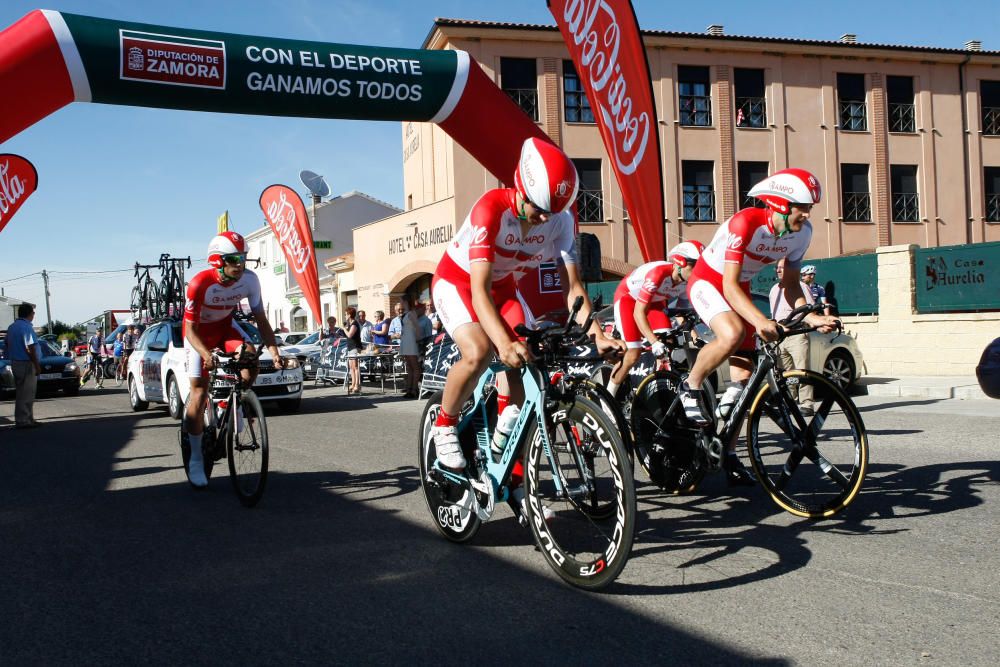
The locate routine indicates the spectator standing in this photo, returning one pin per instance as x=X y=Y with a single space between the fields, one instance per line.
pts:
x=282 y=328
x=380 y=330
x=426 y=333
x=23 y=354
x=366 y=330
x=817 y=291
x=408 y=347
x=794 y=349
x=353 y=336
x=396 y=325
x=434 y=317
x=332 y=330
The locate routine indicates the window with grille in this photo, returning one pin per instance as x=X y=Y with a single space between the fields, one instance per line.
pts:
x=751 y=109
x=698 y=194
x=905 y=203
x=576 y=106
x=590 y=200
x=990 y=101
x=851 y=96
x=902 y=116
x=694 y=89
x=519 y=79
x=992 y=187
x=856 y=199
x=749 y=174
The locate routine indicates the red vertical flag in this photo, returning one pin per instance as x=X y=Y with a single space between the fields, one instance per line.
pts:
x=604 y=41
x=18 y=179
x=287 y=217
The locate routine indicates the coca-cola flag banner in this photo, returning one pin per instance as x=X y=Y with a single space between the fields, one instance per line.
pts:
x=18 y=179
x=604 y=41
x=286 y=214
x=49 y=59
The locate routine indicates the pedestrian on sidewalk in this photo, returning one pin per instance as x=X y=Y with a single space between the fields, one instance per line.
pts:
x=23 y=354
x=794 y=349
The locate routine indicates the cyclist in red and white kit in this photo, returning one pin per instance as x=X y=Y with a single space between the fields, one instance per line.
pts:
x=639 y=302
x=474 y=287
x=719 y=288
x=212 y=296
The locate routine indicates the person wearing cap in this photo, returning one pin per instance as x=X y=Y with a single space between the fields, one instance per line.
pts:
x=719 y=290
x=95 y=350
x=817 y=291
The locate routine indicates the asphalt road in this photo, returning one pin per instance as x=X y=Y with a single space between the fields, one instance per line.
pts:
x=108 y=556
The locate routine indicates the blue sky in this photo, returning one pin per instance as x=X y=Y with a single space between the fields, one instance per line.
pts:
x=120 y=184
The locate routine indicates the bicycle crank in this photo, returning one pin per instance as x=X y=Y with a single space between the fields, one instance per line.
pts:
x=712 y=450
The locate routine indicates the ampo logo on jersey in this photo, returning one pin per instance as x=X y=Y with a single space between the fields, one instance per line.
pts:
x=172 y=60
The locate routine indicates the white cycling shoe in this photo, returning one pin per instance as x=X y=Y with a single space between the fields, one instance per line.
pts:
x=518 y=496
x=449 y=451
x=196 y=473
x=728 y=400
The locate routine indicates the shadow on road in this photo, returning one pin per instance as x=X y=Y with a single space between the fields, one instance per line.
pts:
x=107 y=563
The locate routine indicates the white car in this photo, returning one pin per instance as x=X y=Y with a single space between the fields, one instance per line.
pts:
x=307 y=351
x=157 y=374
x=289 y=338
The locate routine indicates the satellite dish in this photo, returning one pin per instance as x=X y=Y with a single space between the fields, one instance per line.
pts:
x=316 y=184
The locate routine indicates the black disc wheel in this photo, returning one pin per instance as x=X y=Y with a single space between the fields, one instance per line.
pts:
x=247 y=450
x=583 y=467
x=447 y=501
x=665 y=442
x=810 y=454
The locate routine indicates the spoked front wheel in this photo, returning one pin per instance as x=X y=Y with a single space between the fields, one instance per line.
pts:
x=812 y=465
x=246 y=448
x=585 y=467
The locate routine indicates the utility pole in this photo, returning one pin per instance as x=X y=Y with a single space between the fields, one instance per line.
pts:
x=48 y=311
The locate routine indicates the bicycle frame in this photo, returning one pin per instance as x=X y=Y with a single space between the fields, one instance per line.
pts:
x=535 y=383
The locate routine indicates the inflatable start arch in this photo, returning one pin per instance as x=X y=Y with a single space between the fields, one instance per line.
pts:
x=49 y=59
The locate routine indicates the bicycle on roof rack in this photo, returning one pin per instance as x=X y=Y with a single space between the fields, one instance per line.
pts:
x=145 y=296
x=172 y=285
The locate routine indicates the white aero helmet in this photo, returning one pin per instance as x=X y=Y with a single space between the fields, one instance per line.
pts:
x=686 y=253
x=785 y=187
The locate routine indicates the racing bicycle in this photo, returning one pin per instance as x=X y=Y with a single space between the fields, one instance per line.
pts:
x=145 y=295
x=172 y=285
x=812 y=466
x=576 y=470
x=235 y=428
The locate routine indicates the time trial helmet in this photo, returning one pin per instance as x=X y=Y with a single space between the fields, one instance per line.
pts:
x=786 y=187
x=546 y=177
x=226 y=243
x=686 y=253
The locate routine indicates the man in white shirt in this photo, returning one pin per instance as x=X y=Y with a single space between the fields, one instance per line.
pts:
x=794 y=349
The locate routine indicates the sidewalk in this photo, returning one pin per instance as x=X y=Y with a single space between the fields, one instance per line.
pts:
x=960 y=387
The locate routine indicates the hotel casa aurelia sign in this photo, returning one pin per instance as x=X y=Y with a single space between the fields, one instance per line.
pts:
x=420 y=238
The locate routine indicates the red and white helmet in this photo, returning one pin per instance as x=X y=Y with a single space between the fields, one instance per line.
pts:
x=686 y=253
x=226 y=243
x=788 y=186
x=546 y=177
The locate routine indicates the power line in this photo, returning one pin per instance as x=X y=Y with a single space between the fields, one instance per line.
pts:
x=27 y=275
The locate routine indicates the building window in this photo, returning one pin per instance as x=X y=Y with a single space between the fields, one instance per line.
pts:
x=851 y=93
x=750 y=174
x=857 y=199
x=992 y=175
x=590 y=201
x=698 y=179
x=751 y=110
x=409 y=202
x=695 y=95
x=519 y=79
x=575 y=103
x=990 y=101
x=905 y=203
x=901 y=107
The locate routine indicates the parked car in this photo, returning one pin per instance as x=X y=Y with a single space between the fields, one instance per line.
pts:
x=157 y=372
x=7 y=384
x=80 y=349
x=307 y=351
x=289 y=338
x=58 y=371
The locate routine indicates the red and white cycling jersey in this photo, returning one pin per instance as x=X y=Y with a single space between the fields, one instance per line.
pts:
x=492 y=233
x=651 y=283
x=210 y=303
x=744 y=238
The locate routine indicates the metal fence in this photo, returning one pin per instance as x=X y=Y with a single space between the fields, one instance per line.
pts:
x=526 y=98
x=696 y=110
x=751 y=112
x=590 y=206
x=957 y=278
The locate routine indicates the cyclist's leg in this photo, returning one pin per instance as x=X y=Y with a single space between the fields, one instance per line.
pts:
x=625 y=323
x=194 y=419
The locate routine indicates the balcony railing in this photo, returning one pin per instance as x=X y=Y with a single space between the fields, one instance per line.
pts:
x=699 y=205
x=857 y=207
x=526 y=98
x=993 y=207
x=696 y=110
x=590 y=206
x=991 y=120
x=905 y=207
x=902 y=118
x=853 y=116
x=751 y=112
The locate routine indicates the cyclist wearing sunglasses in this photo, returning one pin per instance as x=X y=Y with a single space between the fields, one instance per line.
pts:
x=212 y=296
x=474 y=288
